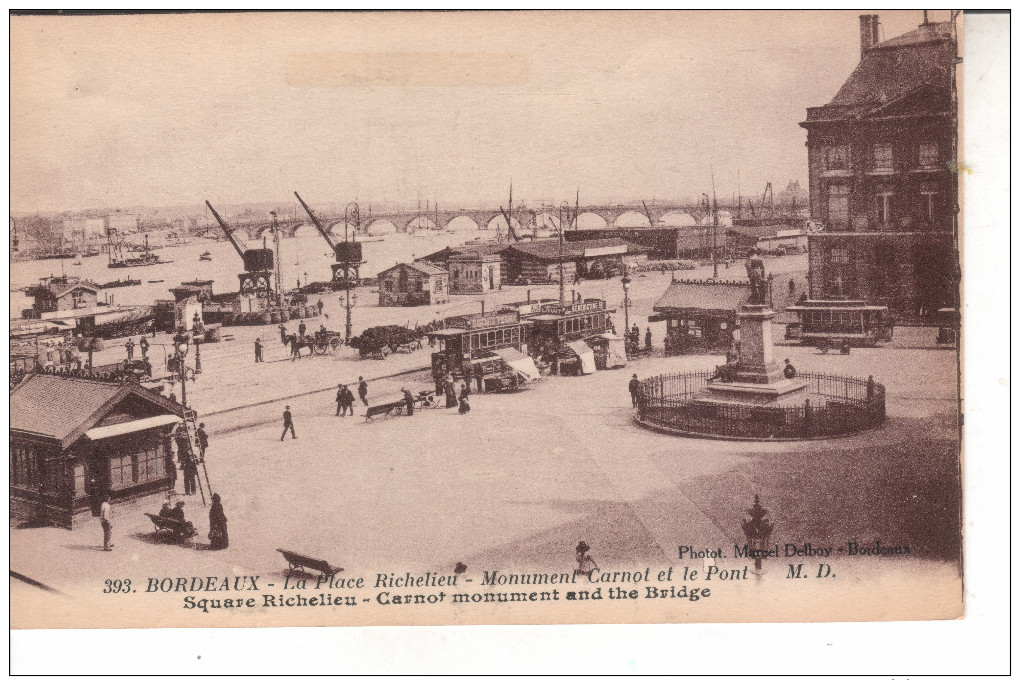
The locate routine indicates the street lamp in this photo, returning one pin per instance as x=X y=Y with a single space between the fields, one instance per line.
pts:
x=626 y=304
x=757 y=530
x=564 y=220
x=352 y=216
x=179 y=369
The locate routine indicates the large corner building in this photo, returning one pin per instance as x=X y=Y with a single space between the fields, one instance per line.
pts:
x=882 y=179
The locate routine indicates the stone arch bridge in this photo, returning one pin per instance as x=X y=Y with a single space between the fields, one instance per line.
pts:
x=405 y=220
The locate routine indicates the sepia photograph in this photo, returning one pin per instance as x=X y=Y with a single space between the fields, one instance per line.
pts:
x=454 y=318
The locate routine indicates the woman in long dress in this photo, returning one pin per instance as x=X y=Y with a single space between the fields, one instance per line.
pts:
x=217 y=525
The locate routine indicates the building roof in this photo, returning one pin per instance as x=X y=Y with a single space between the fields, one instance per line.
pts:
x=423 y=267
x=704 y=294
x=549 y=249
x=477 y=249
x=62 y=408
x=913 y=68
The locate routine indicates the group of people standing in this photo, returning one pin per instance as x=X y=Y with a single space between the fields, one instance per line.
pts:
x=345 y=398
x=446 y=386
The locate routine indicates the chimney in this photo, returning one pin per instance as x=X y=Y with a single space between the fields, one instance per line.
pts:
x=869 y=32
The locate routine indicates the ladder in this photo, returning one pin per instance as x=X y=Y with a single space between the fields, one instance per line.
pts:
x=191 y=428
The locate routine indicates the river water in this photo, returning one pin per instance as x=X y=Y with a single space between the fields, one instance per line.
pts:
x=305 y=257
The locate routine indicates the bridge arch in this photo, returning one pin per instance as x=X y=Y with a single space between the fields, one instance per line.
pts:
x=461 y=223
x=305 y=230
x=417 y=223
x=380 y=227
x=546 y=221
x=631 y=218
x=590 y=220
x=498 y=222
x=677 y=218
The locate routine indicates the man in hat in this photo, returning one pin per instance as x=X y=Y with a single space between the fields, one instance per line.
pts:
x=634 y=386
x=340 y=400
x=130 y=347
x=203 y=441
x=363 y=390
x=258 y=350
x=165 y=511
x=143 y=345
x=288 y=424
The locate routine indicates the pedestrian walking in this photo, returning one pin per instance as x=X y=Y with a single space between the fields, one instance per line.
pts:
x=363 y=390
x=301 y=329
x=789 y=372
x=465 y=407
x=634 y=387
x=648 y=338
x=288 y=424
x=349 y=399
x=465 y=390
x=203 y=441
x=339 y=399
x=143 y=345
x=319 y=305
x=258 y=350
x=106 y=520
x=479 y=373
x=218 y=539
x=130 y=347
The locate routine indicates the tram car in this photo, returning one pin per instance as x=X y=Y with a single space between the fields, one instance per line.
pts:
x=836 y=323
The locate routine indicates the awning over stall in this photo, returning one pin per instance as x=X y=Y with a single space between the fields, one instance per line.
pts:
x=520 y=362
x=131 y=426
x=585 y=353
x=616 y=346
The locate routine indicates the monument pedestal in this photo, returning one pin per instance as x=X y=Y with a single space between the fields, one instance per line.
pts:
x=758 y=379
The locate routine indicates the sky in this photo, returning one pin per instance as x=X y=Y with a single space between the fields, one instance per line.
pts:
x=173 y=110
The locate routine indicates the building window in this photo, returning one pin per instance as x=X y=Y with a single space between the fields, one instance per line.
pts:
x=122 y=471
x=929 y=200
x=24 y=467
x=835 y=157
x=419 y=286
x=402 y=281
x=882 y=157
x=928 y=155
x=838 y=255
x=389 y=286
x=439 y=285
x=884 y=206
x=838 y=201
x=150 y=464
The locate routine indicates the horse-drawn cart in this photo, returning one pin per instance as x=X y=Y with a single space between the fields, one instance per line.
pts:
x=379 y=342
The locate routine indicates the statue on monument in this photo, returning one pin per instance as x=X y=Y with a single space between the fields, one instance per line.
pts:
x=756 y=276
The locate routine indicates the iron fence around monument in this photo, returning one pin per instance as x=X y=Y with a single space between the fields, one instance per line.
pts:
x=833 y=406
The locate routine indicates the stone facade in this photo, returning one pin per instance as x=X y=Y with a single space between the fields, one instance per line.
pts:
x=880 y=159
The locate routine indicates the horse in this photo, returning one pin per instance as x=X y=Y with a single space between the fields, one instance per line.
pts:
x=296 y=344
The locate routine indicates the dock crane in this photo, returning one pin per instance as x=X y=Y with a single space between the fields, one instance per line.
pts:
x=347 y=252
x=257 y=278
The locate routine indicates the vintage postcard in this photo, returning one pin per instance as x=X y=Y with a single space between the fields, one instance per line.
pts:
x=351 y=319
